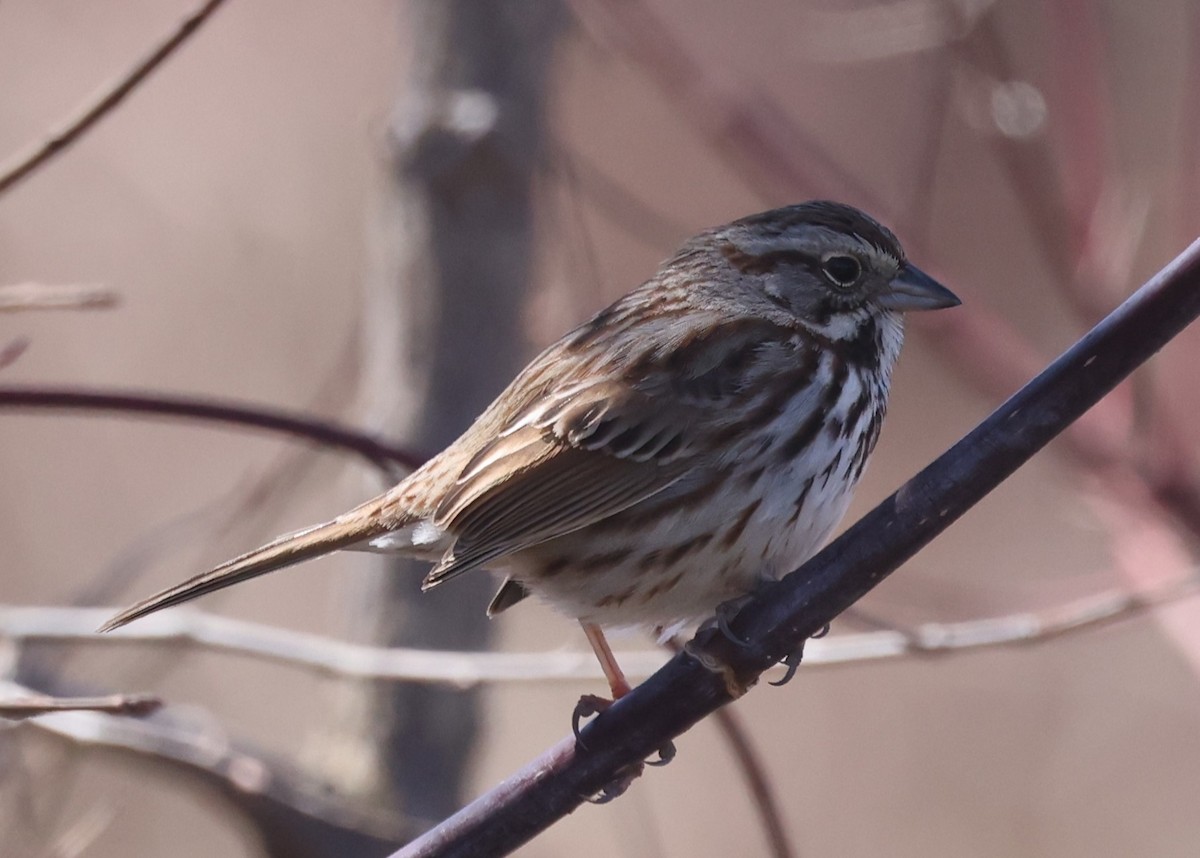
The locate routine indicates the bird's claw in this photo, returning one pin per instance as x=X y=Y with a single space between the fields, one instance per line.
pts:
x=592 y=704
x=618 y=785
x=726 y=611
x=665 y=754
x=792 y=660
x=588 y=705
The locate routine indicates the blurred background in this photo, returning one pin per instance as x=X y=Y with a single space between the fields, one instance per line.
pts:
x=376 y=212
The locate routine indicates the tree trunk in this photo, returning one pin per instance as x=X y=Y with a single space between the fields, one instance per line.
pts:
x=442 y=333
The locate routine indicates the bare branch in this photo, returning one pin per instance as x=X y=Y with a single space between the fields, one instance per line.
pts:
x=761 y=791
x=31 y=705
x=379 y=453
x=21 y=165
x=12 y=350
x=42 y=296
x=332 y=657
x=767 y=149
x=715 y=668
x=293 y=814
x=322 y=655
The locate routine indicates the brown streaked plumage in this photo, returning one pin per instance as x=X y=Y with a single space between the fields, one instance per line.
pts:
x=700 y=435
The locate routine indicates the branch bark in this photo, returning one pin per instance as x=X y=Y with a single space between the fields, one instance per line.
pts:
x=714 y=669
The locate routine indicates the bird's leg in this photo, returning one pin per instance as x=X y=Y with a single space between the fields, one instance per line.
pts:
x=608 y=662
x=592 y=704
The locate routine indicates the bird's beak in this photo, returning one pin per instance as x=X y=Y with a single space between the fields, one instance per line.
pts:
x=913 y=289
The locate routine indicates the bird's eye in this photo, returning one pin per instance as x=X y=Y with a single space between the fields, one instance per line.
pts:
x=842 y=271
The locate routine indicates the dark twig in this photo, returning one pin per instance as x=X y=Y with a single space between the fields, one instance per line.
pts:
x=379 y=453
x=762 y=794
x=769 y=151
x=714 y=670
x=23 y=164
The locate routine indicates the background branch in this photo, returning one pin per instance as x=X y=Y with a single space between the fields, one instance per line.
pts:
x=27 y=705
x=379 y=453
x=291 y=813
x=23 y=164
x=327 y=656
x=66 y=296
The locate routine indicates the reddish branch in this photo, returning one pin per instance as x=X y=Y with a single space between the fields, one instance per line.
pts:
x=379 y=453
x=714 y=669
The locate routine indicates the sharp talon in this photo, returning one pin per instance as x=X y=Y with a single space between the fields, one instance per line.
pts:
x=588 y=705
x=665 y=754
x=618 y=786
x=824 y=630
x=793 y=664
x=726 y=611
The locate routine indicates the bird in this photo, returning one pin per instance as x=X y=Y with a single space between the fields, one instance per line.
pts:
x=700 y=436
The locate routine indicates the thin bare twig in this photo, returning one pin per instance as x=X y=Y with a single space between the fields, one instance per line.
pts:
x=337 y=658
x=770 y=152
x=31 y=705
x=379 y=453
x=322 y=655
x=762 y=794
x=44 y=296
x=21 y=165
x=293 y=814
x=718 y=667
x=12 y=350
x=779 y=844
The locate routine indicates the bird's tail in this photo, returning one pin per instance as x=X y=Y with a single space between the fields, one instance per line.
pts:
x=353 y=528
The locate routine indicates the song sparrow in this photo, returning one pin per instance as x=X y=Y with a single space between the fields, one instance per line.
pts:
x=699 y=436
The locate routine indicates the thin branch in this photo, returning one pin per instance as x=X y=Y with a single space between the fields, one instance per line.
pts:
x=762 y=794
x=12 y=350
x=43 y=296
x=293 y=814
x=716 y=669
x=379 y=453
x=619 y=205
x=770 y=152
x=31 y=705
x=755 y=774
x=332 y=657
x=321 y=655
x=21 y=165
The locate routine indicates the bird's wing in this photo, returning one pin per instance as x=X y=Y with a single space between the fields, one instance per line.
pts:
x=576 y=459
x=362 y=523
x=588 y=449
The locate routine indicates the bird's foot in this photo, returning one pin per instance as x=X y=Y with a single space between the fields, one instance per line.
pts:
x=592 y=705
x=792 y=660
